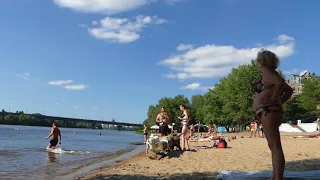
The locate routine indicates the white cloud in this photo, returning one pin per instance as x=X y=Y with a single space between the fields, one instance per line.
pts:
x=102 y=6
x=192 y=86
x=284 y=38
x=212 y=60
x=76 y=107
x=76 y=87
x=183 y=47
x=196 y=86
x=25 y=76
x=60 y=82
x=122 y=30
x=95 y=107
x=14 y=101
x=106 y=6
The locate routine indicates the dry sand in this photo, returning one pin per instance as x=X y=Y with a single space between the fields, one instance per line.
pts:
x=245 y=154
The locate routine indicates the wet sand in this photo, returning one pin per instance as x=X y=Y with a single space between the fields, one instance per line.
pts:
x=244 y=154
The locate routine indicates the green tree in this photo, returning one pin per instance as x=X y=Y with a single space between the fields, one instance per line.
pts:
x=231 y=100
x=293 y=110
x=172 y=107
x=198 y=109
x=309 y=99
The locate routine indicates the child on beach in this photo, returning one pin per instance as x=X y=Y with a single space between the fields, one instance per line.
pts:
x=272 y=93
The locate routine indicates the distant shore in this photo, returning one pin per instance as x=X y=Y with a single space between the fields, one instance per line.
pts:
x=245 y=154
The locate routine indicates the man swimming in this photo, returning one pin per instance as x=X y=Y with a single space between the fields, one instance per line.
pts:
x=55 y=133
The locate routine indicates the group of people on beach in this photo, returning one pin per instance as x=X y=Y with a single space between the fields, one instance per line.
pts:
x=255 y=128
x=271 y=93
x=163 y=119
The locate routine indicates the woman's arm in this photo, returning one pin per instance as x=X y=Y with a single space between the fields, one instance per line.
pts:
x=288 y=91
x=51 y=133
x=185 y=117
x=158 y=118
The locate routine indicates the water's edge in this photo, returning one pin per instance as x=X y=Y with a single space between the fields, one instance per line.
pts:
x=85 y=170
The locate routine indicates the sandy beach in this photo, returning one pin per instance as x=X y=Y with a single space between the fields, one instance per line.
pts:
x=244 y=154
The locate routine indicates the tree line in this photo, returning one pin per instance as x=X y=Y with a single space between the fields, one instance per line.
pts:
x=20 y=118
x=230 y=102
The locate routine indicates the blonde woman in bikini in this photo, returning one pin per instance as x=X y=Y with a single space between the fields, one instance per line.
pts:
x=272 y=93
x=184 y=118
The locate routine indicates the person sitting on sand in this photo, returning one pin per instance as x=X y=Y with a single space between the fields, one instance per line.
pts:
x=214 y=130
x=272 y=93
x=55 y=133
x=191 y=130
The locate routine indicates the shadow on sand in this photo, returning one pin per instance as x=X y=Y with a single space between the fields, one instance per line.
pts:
x=189 y=176
x=301 y=165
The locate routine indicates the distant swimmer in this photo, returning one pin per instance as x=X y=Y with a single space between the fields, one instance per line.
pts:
x=55 y=133
x=75 y=133
x=100 y=134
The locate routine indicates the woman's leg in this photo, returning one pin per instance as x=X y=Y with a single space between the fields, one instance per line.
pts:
x=188 y=138
x=183 y=137
x=271 y=122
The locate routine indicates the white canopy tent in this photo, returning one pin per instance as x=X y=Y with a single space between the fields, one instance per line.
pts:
x=157 y=127
x=154 y=127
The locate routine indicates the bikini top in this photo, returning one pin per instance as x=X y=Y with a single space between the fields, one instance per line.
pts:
x=259 y=86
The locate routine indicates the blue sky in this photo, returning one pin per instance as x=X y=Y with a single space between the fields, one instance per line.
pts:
x=113 y=58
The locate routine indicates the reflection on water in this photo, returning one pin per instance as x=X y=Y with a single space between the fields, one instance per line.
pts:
x=52 y=157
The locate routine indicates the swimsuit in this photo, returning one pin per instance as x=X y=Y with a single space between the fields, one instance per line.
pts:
x=54 y=141
x=259 y=87
x=184 y=122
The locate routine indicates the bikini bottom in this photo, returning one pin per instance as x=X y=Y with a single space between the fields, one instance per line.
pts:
x=268 y=109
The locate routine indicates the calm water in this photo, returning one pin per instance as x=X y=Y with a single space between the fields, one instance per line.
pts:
x=23 y=153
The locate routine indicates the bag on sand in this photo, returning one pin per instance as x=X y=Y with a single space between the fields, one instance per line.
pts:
x=222 y=144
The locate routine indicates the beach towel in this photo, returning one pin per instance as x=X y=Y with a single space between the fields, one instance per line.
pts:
x=288 y=175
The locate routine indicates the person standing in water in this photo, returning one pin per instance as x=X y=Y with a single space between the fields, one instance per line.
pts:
x=272 y=93
x=145 y=133
x=163 y=121
x=184 y=118
x=56 y=136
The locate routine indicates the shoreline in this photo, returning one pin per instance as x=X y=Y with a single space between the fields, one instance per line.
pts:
x=68 y=128
x=245 y=154
x=85 y=170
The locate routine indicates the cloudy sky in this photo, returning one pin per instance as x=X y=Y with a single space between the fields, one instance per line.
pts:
x=104 y=59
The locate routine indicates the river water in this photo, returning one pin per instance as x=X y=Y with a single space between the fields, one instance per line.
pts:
x=23 y=153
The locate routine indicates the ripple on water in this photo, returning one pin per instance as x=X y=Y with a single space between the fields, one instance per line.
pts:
x=9 y=153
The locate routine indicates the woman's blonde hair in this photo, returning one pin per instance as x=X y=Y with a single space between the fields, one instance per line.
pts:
x=268 y=59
